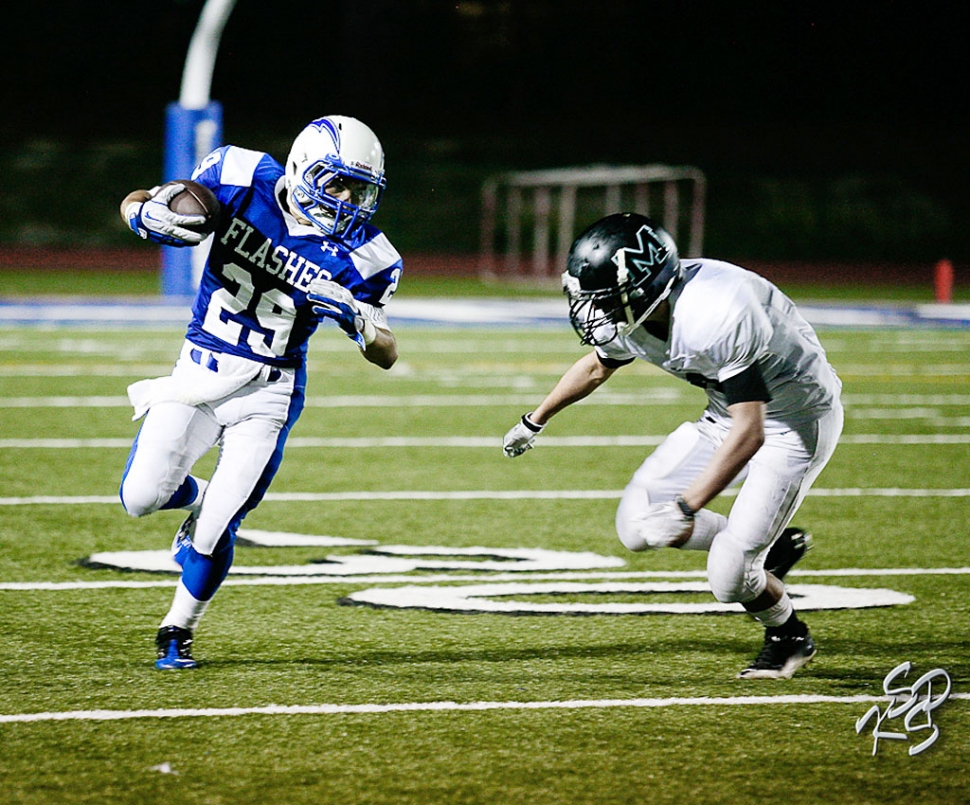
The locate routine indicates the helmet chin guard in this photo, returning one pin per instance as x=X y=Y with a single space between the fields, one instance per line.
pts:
x=335 y=174
x=617 y=273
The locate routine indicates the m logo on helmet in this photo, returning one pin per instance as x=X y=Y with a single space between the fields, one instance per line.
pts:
x=649 y=252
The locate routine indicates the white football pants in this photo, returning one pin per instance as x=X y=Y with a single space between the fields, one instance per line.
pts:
x=174 y=436
x=775 y=482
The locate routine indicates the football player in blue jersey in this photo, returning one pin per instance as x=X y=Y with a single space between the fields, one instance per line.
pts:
x=293 y=247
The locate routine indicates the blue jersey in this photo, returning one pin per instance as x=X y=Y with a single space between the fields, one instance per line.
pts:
x=252 y=297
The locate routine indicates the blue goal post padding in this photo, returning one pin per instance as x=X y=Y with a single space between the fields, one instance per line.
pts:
x=190 y=134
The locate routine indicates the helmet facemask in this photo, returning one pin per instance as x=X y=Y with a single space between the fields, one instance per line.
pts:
x=596 y=316
x=600 y=316
x=327 y=211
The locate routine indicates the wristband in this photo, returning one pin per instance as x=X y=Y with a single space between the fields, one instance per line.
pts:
x=686 y=510
x=132 y=212
x=368 y=332
x=535 y=427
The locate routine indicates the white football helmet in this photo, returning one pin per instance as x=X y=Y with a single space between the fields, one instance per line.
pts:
x=331 y=157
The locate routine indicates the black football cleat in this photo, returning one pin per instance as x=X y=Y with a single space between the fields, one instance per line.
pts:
x=780 y=656
x=174 y=649
x=787 y=550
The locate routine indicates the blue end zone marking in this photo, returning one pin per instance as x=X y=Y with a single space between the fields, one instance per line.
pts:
x=454 y=313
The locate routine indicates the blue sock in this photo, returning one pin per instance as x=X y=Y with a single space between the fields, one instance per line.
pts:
x=184 y=495
x=202 y=575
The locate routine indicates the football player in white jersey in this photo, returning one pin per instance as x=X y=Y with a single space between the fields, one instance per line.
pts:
x=772 y=421
x=293 y=247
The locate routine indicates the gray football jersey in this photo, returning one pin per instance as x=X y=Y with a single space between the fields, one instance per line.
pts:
x=724 y=319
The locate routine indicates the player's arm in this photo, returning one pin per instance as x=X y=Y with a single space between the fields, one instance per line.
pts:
x=747 y=395
x=671 y=523
x=382 y=351
x=579 y=381
x=744 y=439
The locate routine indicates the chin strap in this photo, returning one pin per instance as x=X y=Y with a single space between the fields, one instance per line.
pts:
x=622 y=283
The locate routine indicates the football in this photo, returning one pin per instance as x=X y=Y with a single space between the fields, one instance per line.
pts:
x=196 y=199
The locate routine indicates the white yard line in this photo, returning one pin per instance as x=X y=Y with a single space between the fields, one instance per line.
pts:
x=647 y=397
x=513 y=494
x=83 y=370
x=490 y=442
x=439 y=707
x=902 y=369
x=661 y=395
x=292 y=581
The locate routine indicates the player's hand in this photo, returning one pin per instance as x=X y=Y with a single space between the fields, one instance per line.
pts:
x=331 y=300
x=521 y=437
x=153 y=220
x=665 y=525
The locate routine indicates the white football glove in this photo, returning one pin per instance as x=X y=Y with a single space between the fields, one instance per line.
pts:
x=521 y=437
x=664 y=525
x=331 y=300
x=153 y=220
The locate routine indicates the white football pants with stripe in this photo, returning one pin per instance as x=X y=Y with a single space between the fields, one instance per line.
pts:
x=250 y=427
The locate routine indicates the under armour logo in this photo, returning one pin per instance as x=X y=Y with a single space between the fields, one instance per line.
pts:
x=330 y=248
x=649 y=252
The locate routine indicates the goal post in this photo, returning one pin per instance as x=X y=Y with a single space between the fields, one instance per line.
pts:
x=530 y=218
x=193 y=128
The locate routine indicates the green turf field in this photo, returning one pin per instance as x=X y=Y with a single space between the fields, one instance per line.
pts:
x=306 y=696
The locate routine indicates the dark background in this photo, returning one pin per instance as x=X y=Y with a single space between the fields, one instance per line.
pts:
x=827 y=130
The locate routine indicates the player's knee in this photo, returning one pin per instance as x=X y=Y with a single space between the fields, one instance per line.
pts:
x=637 y=523
x=137 y=499
x=625 y=529
x=135 y=507
x=631 y=538
x=727 y=590
x=630 y=528
x=639 y=536
x=731 y=571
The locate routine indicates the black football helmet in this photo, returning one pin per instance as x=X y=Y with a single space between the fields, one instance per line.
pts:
x=617 y=272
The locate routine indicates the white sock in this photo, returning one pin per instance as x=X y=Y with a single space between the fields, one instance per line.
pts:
x=186 y=611
x=707 y=525
x=776 y=614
